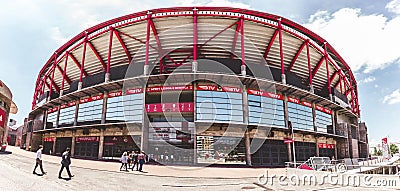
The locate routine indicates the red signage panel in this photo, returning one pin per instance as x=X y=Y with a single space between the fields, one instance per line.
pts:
x=232 y=89
x=87 y=139
x=169 y=107
x=326 y=146
x=114 y=94
x=320 y=108
x=265 y=94
x=207 y=87
x=294 y=100
x=288 y=140
x=3 y=119
x=134 y=91
x=308 y=104
x=50 y=139
x=169 y=88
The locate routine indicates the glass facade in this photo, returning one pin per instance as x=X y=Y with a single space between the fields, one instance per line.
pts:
x=115 y=109
x=219 y=106
x=90 y=111
x=301 y=116
x=51 y=120
x=133 y=108
x=266 y=111
x=322 y=121
x=67 y=116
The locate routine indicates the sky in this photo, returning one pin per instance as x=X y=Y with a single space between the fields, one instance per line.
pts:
x=366 y=33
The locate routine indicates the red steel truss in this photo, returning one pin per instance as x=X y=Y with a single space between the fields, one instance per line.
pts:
x=341 y=76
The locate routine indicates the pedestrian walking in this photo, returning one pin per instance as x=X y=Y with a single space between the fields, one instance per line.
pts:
x=129 y=160
x=142 y=160
x=135 y=161
x=124 y=161
x=65 y=162
x=39 y=160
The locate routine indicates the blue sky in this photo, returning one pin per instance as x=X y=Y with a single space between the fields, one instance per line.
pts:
x=365 y=33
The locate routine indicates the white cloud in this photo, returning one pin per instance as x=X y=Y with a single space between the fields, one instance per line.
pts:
x=393 y=98
x=366 y=42
x=394 y=6
x=57 y=36
x=368 y=79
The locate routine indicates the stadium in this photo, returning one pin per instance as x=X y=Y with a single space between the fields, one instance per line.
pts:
x=198 y=85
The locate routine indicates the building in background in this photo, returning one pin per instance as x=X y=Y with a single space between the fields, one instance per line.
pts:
x=198 y=85
x=7 y=106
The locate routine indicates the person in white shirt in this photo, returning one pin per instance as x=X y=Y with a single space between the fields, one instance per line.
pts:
x=124 y=161
x=39 y=160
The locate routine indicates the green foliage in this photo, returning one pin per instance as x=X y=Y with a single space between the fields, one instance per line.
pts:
x=393 y=149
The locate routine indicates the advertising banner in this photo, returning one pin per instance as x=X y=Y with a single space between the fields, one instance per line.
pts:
x=2 y=118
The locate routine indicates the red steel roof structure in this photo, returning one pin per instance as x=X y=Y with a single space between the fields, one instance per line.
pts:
x=284 y=44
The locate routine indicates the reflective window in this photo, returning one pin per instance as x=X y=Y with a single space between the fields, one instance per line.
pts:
x=115 y=109
x=219 y=106
x=133 y=107
x=322 y=121
x=90 y=111
x=301 y=116
x=266 y=111
x=67 y=116
x=51 y=120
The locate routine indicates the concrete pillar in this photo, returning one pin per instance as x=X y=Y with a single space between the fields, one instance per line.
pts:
x=194 y=66
x=316 y=147
x=107 y=77
x=247 y=145
x=104 y=109
x=286 y=110
x=314 y=116
x=61 y=93
x=76 y=112
x=146 y=70
x=58 y=116
x=54 y=146
x=336 y=151
x=245 y=104
x=79 y=86
x=73 y=143
x=101 y=144
x=289 y=149
x=195 y=126
x=283 y=79
x=311 y=88
x=144 y=142
x=243 y=70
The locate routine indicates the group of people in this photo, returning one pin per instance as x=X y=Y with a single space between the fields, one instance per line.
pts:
x=65 y=162
x=133 y=159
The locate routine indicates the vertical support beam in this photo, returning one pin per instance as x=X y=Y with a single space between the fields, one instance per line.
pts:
x=194 y=63
x=101 y=144
x=314 y=113
x=309 y=67
x=58 y=116
x=52 y=76
x=247 y=145
x=83 y=62
x=243 y=67
x=146 y=63
x=73 y=143
x=316 y=148
x=54 y=146
x=107 y=76
x=104 y=109
x=195 y=126
x=327 y=72
x=144 y=142
x=76 y=112
x=64 y=74
x=281 y=51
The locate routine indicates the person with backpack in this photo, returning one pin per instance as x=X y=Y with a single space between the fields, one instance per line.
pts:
x=65 y=162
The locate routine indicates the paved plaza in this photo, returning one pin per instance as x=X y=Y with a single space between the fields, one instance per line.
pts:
x=96 y=175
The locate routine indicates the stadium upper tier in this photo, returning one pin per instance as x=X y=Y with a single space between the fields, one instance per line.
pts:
x=168 y=38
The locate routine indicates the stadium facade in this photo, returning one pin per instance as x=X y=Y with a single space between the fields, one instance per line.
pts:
x=7 y=106
x=198 y=85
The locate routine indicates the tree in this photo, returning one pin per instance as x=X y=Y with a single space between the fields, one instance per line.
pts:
x=393 y=148
x=377 y=152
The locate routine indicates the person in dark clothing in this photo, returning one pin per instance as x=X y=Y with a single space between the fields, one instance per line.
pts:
x=39 y=160
x=65 y=162
x=135 y=161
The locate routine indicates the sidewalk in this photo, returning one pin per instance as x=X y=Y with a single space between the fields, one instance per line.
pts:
x=156 y=170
